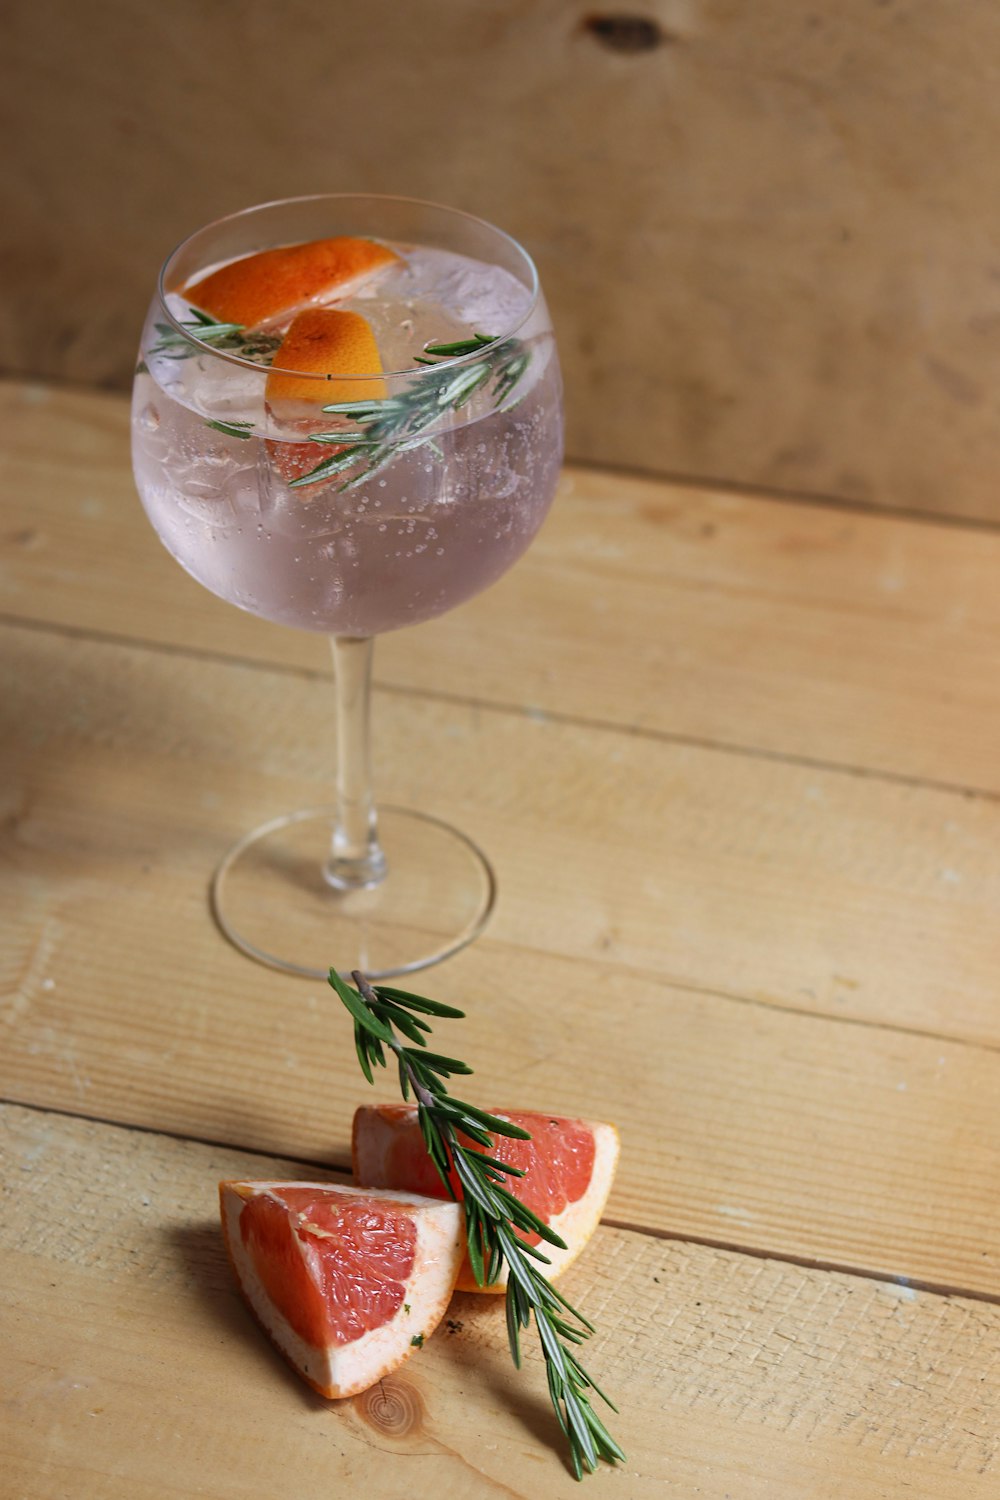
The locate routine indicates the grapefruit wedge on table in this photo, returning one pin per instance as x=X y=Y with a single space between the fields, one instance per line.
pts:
x=259 y=288
x=568 y=1168
x=345 y=1281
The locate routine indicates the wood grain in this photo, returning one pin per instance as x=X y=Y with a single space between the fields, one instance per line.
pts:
x=776 y=976
x=776 y=266
x=836 y=1138
x=734 y=1376
x=796 y=631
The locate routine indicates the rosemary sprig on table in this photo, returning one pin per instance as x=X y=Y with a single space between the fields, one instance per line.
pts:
x=383 y=428
x=495 y=1218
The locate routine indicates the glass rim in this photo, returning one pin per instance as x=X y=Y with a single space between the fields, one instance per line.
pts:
x=412 y=372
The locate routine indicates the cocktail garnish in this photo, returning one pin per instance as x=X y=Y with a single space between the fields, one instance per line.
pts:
x=386 y=427
x=383 y=426
x=272 y=284
x=495 y=1219
x=322 y=339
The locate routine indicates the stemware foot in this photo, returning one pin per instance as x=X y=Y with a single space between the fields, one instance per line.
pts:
x=436 y=896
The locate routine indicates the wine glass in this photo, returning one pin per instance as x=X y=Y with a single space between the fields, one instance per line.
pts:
x=409 y=492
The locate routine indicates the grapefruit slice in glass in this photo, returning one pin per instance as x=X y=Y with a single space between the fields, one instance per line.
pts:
x=346 y=1282
x=320 y=340
x=568 y=1168
x=326 y=341
x=259 y=288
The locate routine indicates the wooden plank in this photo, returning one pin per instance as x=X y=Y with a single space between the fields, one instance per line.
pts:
x=743 y=1121
x=131 y=1368
x=777 y=267
x=810 y=889
x=792 y=630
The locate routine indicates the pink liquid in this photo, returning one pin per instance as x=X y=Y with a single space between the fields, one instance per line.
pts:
x=425 y=533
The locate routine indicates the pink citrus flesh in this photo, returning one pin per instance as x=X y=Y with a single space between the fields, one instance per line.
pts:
x=346 y=1283
x=568 y=1167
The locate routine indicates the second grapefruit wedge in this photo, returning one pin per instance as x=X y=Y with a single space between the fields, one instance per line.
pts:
x=568 y=1167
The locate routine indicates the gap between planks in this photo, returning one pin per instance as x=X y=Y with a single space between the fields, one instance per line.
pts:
x=501 y=707
x=735 y=1247
x=733 y=997
x=815 y=499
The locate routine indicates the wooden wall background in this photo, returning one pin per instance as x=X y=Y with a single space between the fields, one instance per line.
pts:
x=770 y=232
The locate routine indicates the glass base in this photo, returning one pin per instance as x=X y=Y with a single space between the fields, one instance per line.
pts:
x=273 y=901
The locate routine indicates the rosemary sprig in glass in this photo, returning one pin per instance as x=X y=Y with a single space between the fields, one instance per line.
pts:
x=232 y=338
x=383 y=428
x=495 y=1218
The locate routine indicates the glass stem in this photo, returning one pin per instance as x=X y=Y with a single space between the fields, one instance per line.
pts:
x=356 y=858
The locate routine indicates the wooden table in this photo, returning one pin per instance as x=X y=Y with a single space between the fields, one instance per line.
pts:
x=737 y=761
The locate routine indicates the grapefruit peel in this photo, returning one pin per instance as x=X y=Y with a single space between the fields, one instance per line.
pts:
x=331 y=342
x=258 y=289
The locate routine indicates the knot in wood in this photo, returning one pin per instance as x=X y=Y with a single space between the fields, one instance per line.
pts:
x=393 y=1407
x=625 y=33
